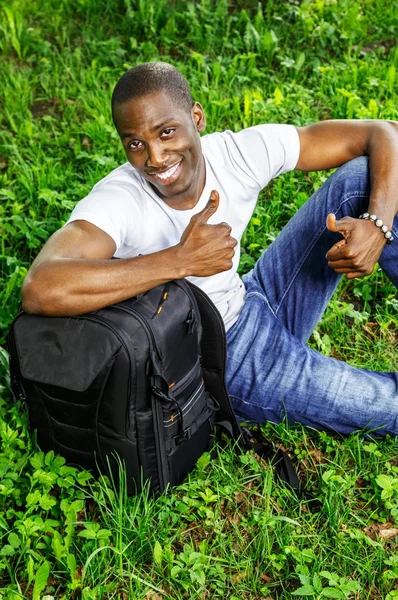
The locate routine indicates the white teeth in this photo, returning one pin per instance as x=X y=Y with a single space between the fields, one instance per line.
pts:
x=167 y=173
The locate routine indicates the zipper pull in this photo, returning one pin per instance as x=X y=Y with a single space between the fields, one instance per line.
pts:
x=162 y=300
x=190 y=321
x=18 y=393
x=159 y=394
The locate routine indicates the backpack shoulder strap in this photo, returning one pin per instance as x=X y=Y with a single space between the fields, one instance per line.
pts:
x=213 y=350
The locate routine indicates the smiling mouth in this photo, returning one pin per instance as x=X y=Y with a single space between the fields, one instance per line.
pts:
x=169 y=176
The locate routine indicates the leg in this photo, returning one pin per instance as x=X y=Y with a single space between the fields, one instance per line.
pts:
x=293 y=273
x=270 y=369
x=270 y=373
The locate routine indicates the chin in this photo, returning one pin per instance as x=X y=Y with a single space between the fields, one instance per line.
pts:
x=174 y=189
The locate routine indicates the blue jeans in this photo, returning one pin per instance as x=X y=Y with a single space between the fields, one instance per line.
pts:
x=271 y=372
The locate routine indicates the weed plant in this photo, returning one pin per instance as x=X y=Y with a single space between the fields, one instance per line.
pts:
x=231 y=530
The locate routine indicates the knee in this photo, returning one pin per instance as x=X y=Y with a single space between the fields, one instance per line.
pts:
x=349 y=188
x=356 y=170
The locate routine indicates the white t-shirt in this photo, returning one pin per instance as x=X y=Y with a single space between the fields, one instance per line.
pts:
x=238 y=166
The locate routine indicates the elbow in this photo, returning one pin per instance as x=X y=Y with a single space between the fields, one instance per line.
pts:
x=393 y=127
x=380 y=133
x=31 y=297
x=36 y=298
x=389 y=128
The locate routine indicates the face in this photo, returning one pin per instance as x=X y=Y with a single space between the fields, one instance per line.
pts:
x=162 y=142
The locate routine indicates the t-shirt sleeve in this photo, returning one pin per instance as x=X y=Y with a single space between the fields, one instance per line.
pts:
x=266 y=151
x=112 y=209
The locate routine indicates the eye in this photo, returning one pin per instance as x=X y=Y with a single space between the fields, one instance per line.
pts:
x=168 y=131
x=135 y=145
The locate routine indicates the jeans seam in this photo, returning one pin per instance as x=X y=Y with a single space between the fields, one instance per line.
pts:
x=345 y=199
x=256 y=404
x=249 y=402
x=263 y=296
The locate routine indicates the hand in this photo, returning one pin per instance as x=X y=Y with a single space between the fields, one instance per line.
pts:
x=359 y=251
x=207 y=249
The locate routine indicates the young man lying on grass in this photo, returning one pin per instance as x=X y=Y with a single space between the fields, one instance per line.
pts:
x=178 y=209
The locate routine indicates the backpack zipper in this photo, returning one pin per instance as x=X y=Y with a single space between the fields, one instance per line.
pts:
x=145 y=326
x=223 y=347
x=165 y=295
x=192 y=317
x=15 y=365
x=163 y=469
x=184 y=410
x=102 y=321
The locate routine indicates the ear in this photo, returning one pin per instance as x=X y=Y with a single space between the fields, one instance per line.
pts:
x=198 y=117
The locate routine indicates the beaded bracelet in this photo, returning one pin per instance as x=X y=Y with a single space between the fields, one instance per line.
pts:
x=379 y=223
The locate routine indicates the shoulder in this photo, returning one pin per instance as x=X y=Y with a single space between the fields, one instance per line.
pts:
x=115 y=204
x=120 y=191
x=125 y=179
x=268 y=137
x=261 y=152
x=264 y=134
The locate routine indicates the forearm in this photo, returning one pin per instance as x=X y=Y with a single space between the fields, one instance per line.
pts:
x=329 y=144
x=72 y=286
x=383 y=161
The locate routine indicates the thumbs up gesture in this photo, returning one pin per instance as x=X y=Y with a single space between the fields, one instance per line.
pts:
x=359 y=250
x=207 y=249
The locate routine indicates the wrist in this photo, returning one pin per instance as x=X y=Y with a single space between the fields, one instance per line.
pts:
x=179 y=262
x=384 y=210
x=377 y=222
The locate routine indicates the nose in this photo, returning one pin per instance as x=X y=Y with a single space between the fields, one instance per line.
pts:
x=155 y=156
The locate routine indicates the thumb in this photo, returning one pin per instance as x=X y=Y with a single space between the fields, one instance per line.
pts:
x=210 y=207
x=331 y=222
x=343 y=226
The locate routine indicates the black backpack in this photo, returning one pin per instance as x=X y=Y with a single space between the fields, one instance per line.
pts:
x=142 y=380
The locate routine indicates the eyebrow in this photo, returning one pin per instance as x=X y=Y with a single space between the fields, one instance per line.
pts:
x=154 y=128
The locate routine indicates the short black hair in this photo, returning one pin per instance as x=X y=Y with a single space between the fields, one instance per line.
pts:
x=151 y=77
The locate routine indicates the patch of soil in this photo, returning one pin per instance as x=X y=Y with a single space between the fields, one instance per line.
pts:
x=45 y=107
x=383 y=531
x=387 y=45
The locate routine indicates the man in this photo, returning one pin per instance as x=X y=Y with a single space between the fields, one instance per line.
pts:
x=178 y=209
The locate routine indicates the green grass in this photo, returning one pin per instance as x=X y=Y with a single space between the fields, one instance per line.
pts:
x=231 y=530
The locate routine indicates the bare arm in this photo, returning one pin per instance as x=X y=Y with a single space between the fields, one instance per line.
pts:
x=73 y=273
x=330 y=144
